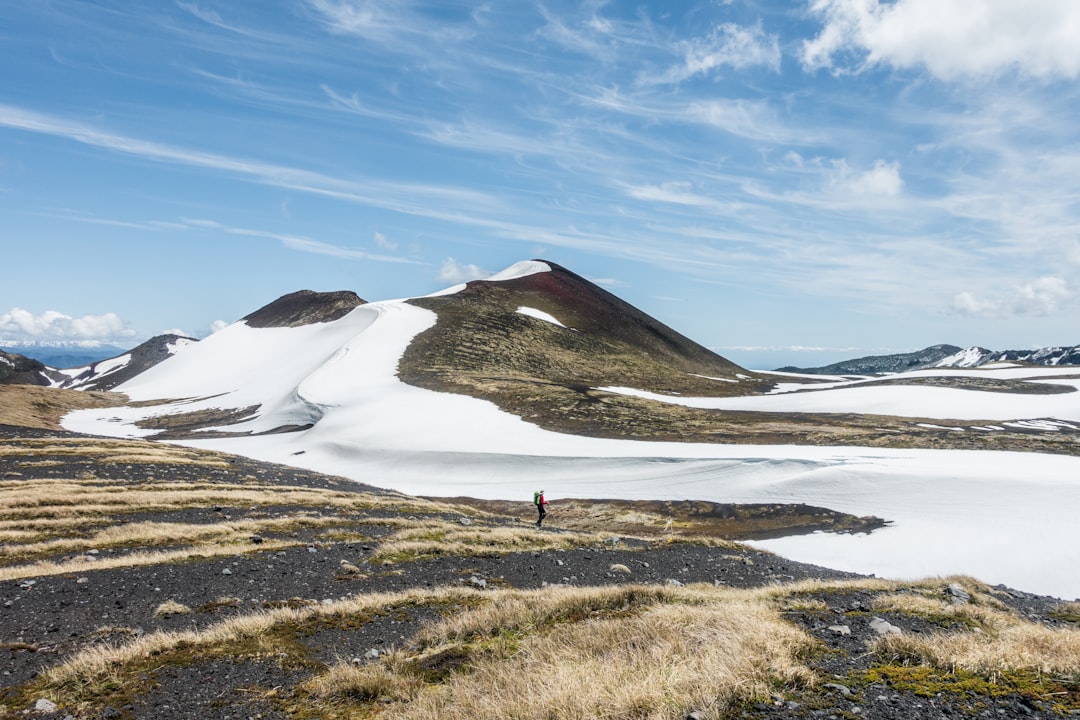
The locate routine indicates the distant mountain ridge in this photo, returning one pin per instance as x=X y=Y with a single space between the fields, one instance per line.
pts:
x=944 y=356
x=62 y=353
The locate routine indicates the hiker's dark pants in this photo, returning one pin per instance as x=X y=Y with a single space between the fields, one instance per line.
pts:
x=543 y=514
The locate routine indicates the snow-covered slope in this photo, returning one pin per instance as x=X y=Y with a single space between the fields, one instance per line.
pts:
x=1003 y=516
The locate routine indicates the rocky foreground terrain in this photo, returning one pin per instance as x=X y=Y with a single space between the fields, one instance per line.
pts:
x=140 y=580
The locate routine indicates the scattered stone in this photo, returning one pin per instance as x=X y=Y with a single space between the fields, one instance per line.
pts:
x=257 y=539
x=695 y=716
x=842 y=689
x=312 y=549
x=620 y=568
x=226 y=571
x=82 y=581
x=884 y=627
x=93 y=552
x=372 y=654
x=672 y=582
x=476 y=581
x=559 y=562
x=465 y=521
x=46 y=706
x=840 y=629
x=957 y=594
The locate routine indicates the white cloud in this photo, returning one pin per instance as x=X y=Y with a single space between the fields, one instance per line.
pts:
x=883 y=179
x=1042 y=296
x=454 y=272
x=218 y=325
x=21 y=324
x=384 y=242
x=952 y=39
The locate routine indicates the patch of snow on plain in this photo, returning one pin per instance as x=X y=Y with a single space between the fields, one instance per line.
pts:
x=897 y=400
x=710 y=377
x=539 y=315
x=1005 y=517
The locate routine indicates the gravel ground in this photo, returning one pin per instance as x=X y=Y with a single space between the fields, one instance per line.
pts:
x=44 y=620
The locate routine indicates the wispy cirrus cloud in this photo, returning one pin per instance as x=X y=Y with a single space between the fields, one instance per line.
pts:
x=294 y=242
x=400 y=197
x=727 y=45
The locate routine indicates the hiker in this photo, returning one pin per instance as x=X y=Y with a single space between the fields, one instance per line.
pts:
x=540 y=502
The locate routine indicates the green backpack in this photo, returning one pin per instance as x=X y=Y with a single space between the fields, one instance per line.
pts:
x=536 y=498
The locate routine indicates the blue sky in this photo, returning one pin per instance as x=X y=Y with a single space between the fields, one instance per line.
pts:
x=785 y=182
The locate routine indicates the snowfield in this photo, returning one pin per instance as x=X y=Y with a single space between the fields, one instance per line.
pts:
x=1000 y=516
x=897 y=400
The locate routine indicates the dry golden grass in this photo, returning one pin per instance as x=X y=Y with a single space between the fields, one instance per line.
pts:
x=171 y=607
x=164 y=533
x=102 y=450
x=71 y=498
x=1014 y=645
x=578 y=653
x=44 y=568
x=97 y=663
x=40 y=407
x=641 y=652
x=984 y=612
x=436 y=538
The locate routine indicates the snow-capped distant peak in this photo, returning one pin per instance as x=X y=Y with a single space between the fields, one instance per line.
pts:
x=519 y=270
x=968 y=357
x=540 y=315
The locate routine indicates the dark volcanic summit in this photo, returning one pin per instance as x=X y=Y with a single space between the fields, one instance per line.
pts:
x=18 y=369
x=304 y=307
x=102 y=376
x=586 y=307
x=606 y=341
